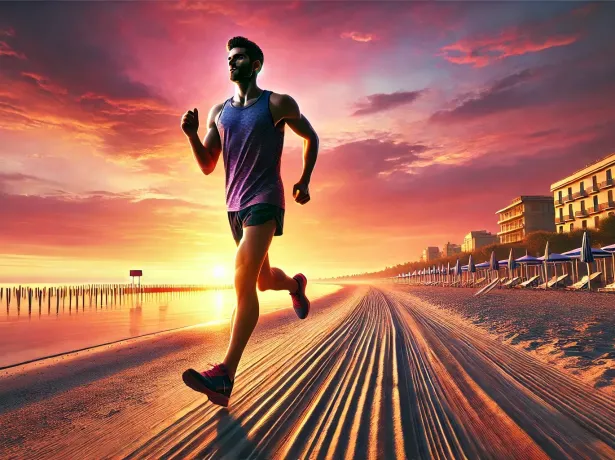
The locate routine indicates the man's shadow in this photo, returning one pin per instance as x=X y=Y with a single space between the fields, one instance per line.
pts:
x=232 y=439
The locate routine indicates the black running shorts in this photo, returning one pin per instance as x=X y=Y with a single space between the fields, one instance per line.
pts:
x=256 y=214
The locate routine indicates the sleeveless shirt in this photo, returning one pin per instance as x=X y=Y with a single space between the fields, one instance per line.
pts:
x=252 y=152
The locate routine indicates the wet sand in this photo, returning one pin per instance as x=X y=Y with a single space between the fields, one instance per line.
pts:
x=374 y=372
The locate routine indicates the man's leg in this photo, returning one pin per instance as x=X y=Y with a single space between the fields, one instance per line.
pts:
x=272 y=278
x=250 y=256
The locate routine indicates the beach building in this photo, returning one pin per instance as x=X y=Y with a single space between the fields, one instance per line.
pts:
x=477 y=239
x=450 y=249
x=585 y=197
x=430 y=253
x=525 y=214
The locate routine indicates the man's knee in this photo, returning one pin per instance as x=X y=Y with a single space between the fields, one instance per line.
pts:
x=264 y=281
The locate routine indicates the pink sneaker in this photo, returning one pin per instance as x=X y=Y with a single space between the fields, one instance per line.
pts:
x=301 y=304
x=215 y=383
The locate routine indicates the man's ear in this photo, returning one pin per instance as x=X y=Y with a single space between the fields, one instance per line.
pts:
x=258 y=66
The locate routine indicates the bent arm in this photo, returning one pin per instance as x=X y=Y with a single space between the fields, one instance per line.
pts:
x=207 y=152
x=302 y=127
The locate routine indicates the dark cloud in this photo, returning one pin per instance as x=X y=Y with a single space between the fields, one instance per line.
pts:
x=381 y=102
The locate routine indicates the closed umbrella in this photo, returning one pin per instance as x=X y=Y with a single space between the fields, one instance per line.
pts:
x=471 y=267
x=512 y=264
x=494 y=264
x=546 y=261
x=458 y=268
x=587 y=256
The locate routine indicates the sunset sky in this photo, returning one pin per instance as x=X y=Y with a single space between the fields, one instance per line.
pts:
x=431 y=117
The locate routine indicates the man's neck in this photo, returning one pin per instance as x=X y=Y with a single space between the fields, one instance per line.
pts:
x=245 y=91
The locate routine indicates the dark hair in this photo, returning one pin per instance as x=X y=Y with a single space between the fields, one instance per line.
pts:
x=252 y=49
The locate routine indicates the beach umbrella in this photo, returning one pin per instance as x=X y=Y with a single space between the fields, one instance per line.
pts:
x=587 y=256
x=448 y=272
x=471 y=267
x=458 y=268
x=546 y=260
x=512 y=264
x=611 y=248
x=494 y=264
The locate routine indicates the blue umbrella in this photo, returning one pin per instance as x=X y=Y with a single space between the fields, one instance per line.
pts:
x=458 y=268
x=471 y=267
x=611 y=248
x=587 y=256
x=529 y=260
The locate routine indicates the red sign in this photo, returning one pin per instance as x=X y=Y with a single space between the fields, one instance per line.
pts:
x=136 y=272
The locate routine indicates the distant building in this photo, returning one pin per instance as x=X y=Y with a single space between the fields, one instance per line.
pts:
x=430 y=253
x=525 y=214
x=585 y=197
x=477 y=239
x=450 y=249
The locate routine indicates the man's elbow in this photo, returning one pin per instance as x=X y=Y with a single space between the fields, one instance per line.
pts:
x=313 y=138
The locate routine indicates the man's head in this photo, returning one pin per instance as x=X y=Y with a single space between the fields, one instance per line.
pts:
x=245 y=57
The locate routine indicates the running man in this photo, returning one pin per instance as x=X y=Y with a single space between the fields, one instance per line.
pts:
x=248 y=129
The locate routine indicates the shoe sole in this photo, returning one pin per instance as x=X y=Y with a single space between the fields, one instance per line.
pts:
x=308 y=301
x=194 y=380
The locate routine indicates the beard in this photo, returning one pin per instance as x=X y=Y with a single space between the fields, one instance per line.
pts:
x=242 y=75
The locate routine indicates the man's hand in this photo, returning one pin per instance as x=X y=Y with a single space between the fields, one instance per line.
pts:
x=190 y=122
x=301 y=192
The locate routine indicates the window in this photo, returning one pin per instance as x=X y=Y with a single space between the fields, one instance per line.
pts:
x=561 y=229
x=571 y=227
x=610 y=195
x=559 y=195
x=561 y=214
x=570 y=211
x=597 y=221
x=609 y=176
x=595 y=182
x=570 y=193
x=595 y=203
x=582 y=206
x=582 y=187
x=584 y=224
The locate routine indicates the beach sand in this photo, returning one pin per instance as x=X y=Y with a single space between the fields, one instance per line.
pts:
x=374 y=372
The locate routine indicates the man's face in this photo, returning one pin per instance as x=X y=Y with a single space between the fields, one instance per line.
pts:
x=240 y=67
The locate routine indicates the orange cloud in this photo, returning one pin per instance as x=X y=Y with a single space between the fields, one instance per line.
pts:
x=358 y=37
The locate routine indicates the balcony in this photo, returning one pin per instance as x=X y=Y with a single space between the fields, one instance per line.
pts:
x=510 y=230
x=568 y=217
x=594 y=210
x=510 y=217
x=606 y=184
x=580 y=194
x=605 y=206
x=568 y=198
x=593 y=189
x=560 y=220
x=581 y=213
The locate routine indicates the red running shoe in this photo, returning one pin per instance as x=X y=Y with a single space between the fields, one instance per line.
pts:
x=301 y=304
x=215 y=383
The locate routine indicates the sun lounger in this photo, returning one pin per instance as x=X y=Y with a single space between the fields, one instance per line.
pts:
x=547 y=284
x=512 y=282
x=608 y=288
x=583 y=282
x=560 y=280
x=533 y=280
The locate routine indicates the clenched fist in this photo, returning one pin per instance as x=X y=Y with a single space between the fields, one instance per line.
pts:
x=190 y=122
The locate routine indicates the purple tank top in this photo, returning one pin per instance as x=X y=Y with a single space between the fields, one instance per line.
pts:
x=252 y=153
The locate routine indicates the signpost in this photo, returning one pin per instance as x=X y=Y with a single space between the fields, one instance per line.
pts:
x=138 y=274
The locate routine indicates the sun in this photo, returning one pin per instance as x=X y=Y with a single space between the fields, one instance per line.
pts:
x=219 y=272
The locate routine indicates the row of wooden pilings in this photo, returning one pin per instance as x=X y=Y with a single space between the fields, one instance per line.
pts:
x=97 y=294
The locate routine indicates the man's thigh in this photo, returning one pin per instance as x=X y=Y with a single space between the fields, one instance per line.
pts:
x=253 y=248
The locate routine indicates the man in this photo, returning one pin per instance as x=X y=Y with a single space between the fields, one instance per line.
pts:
x=248 y=129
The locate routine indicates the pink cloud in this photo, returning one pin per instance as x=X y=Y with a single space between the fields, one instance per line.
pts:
x=381 y=102
x=358 y=37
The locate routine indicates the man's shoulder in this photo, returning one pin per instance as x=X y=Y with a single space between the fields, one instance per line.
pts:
x=284 y=102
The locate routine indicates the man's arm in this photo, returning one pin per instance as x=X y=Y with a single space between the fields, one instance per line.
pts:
x=302 y=127
x=207 y=152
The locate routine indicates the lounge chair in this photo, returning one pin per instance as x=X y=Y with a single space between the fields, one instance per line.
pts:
x=533 y=280
x=512 y=282
x=583 y=282
x=559 y=281
x=547 y=284
x=479 y=281
x=608 y=288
